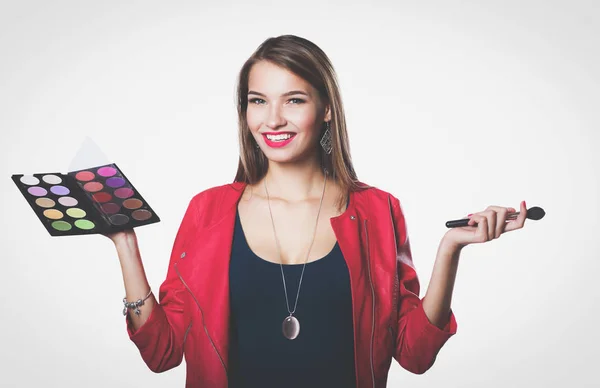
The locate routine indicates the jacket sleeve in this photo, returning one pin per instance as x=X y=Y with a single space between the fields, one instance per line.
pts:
x=418 y=341
x=160 y=338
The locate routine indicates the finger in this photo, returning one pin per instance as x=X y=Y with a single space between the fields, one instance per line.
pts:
x=501 y=214
x=485 y=228
x=481 y=234
x=491 y=222
x=520 y=220
x=471 y=218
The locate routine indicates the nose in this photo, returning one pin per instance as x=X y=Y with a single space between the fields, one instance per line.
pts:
x=274 y=117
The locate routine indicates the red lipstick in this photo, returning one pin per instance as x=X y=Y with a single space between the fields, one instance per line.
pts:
x=278 y=144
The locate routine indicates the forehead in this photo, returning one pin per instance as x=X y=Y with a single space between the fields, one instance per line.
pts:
x=270 y=79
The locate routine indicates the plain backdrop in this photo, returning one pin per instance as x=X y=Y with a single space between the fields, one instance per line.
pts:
x=451 y=105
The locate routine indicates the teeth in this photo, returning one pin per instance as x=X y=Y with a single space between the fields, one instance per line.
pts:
x=279 y=137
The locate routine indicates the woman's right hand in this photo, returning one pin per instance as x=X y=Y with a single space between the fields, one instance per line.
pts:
x=122 y=236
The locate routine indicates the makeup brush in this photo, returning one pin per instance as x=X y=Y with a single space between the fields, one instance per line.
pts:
x=535 y=213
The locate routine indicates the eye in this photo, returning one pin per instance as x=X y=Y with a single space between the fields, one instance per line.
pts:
x=255 y=100
x=300 y=101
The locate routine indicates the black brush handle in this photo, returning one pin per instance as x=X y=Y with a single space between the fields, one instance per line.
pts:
x=535 y=213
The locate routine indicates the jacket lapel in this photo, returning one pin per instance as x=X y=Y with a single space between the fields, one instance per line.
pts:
x=349 y=228
x=210 y=267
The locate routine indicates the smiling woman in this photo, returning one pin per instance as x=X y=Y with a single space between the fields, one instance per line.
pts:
x=288 y=102
x=307 y=281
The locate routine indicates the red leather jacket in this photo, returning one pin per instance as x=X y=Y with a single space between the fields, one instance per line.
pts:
x=192 y=318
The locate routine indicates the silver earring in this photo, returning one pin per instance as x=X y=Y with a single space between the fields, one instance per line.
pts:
x=256 y=145
x=326 y=139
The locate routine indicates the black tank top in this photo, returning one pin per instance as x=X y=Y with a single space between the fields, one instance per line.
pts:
x=260 y=356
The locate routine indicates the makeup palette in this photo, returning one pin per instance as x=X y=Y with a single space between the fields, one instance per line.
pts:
x=91 y=201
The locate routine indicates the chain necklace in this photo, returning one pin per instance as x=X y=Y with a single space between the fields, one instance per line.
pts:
x=291 y=325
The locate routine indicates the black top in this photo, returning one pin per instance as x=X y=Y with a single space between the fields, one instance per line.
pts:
x=322 y=355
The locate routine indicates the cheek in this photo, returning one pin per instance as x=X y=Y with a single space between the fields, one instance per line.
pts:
x=254 y=120
x=304 y=119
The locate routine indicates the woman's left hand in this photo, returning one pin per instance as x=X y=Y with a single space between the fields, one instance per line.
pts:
x=485 y=226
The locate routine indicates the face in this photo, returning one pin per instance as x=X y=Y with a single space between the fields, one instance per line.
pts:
x=285 y=114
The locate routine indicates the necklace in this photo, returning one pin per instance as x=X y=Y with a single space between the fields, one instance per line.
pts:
x=291 y=325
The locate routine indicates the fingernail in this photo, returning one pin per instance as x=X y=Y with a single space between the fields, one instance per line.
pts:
x=469 y=215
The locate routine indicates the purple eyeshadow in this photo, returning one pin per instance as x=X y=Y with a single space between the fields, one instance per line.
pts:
x=59 y=190
x=115 y=182
x=37 y=191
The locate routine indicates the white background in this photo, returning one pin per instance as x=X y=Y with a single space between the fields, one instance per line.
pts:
x=452 y=106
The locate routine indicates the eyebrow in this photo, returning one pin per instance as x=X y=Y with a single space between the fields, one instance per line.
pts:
x=285 y=94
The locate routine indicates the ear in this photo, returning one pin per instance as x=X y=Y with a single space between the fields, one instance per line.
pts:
x=327 y=113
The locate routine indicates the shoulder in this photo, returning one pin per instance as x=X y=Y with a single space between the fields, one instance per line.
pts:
x=211 y=204
x=378 y=202
x=369 y=193
x=217 y=193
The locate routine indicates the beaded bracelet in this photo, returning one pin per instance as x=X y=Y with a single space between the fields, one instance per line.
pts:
x=135 y=305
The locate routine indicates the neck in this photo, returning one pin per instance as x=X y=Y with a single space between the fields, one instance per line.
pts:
x=294 y=182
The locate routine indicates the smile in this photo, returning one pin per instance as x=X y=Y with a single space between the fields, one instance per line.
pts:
x=278 y=140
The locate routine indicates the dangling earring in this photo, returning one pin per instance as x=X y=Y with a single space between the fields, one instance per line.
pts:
x=326 y=139
x=256 y=144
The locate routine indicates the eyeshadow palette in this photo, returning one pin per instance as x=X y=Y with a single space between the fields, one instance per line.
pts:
x=91 y=201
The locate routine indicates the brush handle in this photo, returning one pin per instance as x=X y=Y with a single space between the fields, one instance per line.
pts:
x=465 y=221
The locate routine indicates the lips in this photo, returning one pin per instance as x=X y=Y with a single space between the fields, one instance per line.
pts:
x=280 y=143
x=278 y=133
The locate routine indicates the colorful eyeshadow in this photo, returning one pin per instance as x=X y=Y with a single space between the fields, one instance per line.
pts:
x=59 y=190
x=141 y=215
x=85 y=176
x=106 y=171
x=123 y=193
x=94 y=200
x=132 y=203
x=62 y=226
x=92 y=187
x=45 y=202
x=119 y=219
x=102 y=197
x=53 y=214
x=29 y=180
x=84 y=224
x=115 y=182
x=51 y=179
x=110 y=208
x=67 y=201
x=76 y=212
x=37 y=191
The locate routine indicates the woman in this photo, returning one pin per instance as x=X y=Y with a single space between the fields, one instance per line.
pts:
x=295 y=274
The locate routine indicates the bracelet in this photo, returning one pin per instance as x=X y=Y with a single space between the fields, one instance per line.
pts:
x=135 y=305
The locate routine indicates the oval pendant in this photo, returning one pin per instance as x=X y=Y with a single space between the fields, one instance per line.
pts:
x=291 y=327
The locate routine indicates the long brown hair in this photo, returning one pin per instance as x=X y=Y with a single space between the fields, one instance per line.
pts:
x=308 y=61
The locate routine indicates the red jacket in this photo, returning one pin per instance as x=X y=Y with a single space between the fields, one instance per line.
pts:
x=192 y=318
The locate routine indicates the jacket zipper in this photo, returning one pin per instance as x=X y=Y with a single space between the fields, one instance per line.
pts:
x=373 y=302
x=203 y=323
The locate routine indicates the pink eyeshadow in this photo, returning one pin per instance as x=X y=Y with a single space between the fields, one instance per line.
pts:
x=123 y=192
